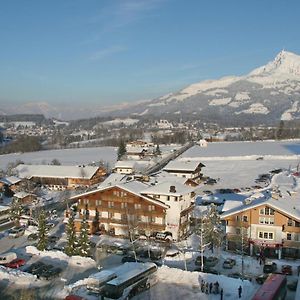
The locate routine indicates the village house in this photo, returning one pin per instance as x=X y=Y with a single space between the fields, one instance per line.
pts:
x=61 y=177
x=25 y=198
x=125 y=167
x=268 y=222
x=11 y=181
x=134 y=206
x=187 y=169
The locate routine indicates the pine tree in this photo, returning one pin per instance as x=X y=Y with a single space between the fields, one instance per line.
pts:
x=71 y=236
x=42 y=232
x=212 y=227
x=84 y=248
x=16 y=210
x=121 y=149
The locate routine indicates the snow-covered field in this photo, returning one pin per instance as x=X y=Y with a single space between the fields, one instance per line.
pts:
x=65 y=156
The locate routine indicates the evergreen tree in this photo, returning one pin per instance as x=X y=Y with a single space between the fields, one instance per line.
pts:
x=84 y=248
x=42 y=232
x=16 y=210
x=71 y=236
x=212 y=227
x=121 y=149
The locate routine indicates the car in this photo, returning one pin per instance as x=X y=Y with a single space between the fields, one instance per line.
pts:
x=172 y=252
x=207 y=192
x=50 y=225
x=7 y=257
x=53 y=238
x=198 y=260
x=287 y=270
x=129 y=259
x=51 y=273
x=34 y=267
x=206 y=270
x=211 y=261
x=74 y=297
x=229 y=263
x=32 y=237
x=240 y=276
x=16 y=232
x=270 y=267
x=261 y=278
x=16 y=263
x=292 y=285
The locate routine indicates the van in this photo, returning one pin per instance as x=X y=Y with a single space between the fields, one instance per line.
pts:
x=7 y=257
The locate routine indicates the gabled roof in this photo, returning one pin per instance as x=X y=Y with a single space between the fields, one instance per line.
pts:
x=125 y=164
x=178 y=165
x=22 y=194
x=133 y=186
x=78 y=172
x=286 y=204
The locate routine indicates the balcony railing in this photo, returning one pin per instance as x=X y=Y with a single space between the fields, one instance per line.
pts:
x=294 y=229
x=291 y=244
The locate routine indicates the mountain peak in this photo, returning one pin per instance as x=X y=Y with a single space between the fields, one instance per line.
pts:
x=285 y=62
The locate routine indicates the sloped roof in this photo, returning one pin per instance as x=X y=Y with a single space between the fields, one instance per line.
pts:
x=163 y=188
x=286 y=204
x=125 y=164
x=79 y=172
x=10 y=180
x=131 y=186
x=178 y=165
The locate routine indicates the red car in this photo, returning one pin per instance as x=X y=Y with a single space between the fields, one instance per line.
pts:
x=286 y=270
x=74 y=297
x=16 y=263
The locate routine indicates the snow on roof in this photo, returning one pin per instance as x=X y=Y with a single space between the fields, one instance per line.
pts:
x=125 y=164
x=112 y=179
x=82 y=172
x=10 y=180
x=285 y=204
x=22 y=194
x=231 y=204
x=178 y=165
x=3 y=208
x=164 y=188
x=131 y=186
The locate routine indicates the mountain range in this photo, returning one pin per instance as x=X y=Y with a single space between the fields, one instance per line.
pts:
x=266 y=95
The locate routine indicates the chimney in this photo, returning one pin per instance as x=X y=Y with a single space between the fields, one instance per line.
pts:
x=172 y=189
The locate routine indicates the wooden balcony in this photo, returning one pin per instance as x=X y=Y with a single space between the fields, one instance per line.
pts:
x=238 y=224
x=291 y=229
x=291 y=244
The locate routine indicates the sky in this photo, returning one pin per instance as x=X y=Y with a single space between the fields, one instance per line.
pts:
x=113 y=51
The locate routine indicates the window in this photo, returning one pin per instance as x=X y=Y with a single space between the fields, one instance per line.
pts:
x=137 y=206
x=124 y=217
x=151 y=207
x=110 y=215
x=266 y=235
x=123 y=194
x=290 y=222
x=245 y=219
x=168 y=198
x=98 y=202
x=124 y=205
x=116 y=193
x=85 y=201
x=110 y=204
x=175 y=198
x=152 y=219
x=289 y=236
x=138 y=218
x=267 y=211
x=237 y=218
x=267 y=221
x=262 y=211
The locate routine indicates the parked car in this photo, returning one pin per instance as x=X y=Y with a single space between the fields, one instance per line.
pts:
x=129 y=259
x=34 y=267
x=287 y=270
x=51 y=273
x=32 y=237
x=16 y=263
x=198 y=260
x=7 y=257
x=172 y=252
x=240 y=276
x=16 y=232
x=211 y=261
x=74 y=297
x=229 y=263
x=270 y=267
x=53 y=238
x=261 y=278
x=206 y=270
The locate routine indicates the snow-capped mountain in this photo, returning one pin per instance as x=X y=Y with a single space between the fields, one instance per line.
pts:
x=266 y=95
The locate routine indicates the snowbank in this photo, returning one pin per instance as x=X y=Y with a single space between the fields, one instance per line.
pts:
x=73 y=260
x=16 y=276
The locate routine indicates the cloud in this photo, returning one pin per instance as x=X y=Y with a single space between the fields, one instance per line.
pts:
x=103 y=53
x=124 y=12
